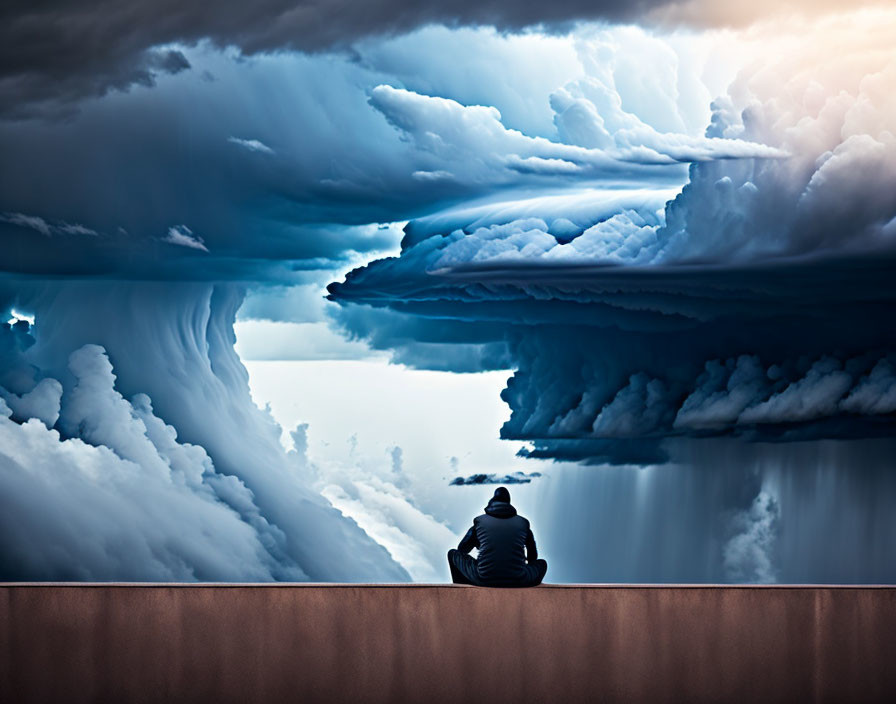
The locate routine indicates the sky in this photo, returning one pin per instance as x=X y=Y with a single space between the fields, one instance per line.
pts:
x=290 y=287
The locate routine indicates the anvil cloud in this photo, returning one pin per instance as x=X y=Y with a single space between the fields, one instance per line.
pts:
x=637 y=323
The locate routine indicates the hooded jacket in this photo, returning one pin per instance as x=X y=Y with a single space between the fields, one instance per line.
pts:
x=505 y=544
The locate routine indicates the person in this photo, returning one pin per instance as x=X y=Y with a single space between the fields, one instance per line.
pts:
x=507 y=553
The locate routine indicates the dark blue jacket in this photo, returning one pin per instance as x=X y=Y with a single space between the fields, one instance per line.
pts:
x=505 y=544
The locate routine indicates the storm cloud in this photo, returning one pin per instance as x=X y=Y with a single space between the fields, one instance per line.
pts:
x=183 y=181
x=215 y=465
x=57 y=53
x=477 y=479
x=632 y=325
x=143 y=506
x=725 y=510
x=661 y=266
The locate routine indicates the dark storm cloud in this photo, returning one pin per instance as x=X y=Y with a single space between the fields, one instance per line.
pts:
x=758 y=304
x=53 y=53
x=610 y=361
x=183 y=182
x=233 y=180
x=432 y=341
x=728 y=511
x=192 y=180
x=476 y=479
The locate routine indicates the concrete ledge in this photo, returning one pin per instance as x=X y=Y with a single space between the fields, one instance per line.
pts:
x=441 y=643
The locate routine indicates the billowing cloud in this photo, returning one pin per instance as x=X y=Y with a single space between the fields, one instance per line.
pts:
x=748 y=554
x=650 y=282
x=42 y=402
x=213 y=467
x=474 y=141
x=635 y=324
x=414 y=539
x=370 y=155
x=125 y=500
x=875 y=392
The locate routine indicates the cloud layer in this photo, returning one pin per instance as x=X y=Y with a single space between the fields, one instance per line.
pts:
x=635 y=323
x=343 y=150
x=549 y=233
x=57 y=53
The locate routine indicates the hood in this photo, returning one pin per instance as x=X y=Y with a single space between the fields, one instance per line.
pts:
x=500 y=509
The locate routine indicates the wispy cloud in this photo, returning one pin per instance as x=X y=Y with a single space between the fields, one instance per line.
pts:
x=183 y=236
x=253 y=145
x=37 y=223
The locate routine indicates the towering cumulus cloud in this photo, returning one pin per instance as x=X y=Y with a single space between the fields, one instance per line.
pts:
x=754 y=303
x=207 y=493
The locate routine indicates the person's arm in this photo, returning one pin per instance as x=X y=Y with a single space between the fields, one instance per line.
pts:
x=531 y=550
x=469 y=541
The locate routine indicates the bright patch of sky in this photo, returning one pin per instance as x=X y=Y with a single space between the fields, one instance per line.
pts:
x=385 y=440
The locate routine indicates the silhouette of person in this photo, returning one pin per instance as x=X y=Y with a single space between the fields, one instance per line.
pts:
x=507 y=553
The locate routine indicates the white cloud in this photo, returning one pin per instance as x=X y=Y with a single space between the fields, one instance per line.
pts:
x=75 y=229
x=253 y=145
x=183 y=236
x=433 y=176
x=635 y=100
x=39 y=224
x=33 y=221
x=178 y=351
x=831 y=195
x=473 y=142
x=414 y=539
x=834 y=117
x=748 y=555
x=125 y=500
x=41 y=402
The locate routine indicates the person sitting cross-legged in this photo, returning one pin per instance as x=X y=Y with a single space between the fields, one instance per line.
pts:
x=507 y=554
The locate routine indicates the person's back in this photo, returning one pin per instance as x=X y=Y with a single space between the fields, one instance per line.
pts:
x=507 y=553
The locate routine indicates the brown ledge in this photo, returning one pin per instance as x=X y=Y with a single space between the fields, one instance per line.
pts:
x=440 y=643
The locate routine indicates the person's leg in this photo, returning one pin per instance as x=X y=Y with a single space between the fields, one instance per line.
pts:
x=537 y=571
x=463 y=567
